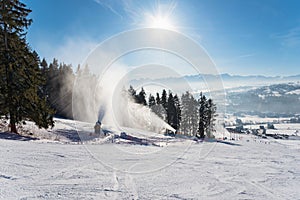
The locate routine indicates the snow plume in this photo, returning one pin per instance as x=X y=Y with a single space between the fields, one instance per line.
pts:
x=117 y=107
x=85 y=98
x=101 y=113
x=106 y=99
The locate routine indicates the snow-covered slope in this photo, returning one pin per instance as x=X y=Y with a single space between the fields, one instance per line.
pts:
x=249 y=169
x=273 y=99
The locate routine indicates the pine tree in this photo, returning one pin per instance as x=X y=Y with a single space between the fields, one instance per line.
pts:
x=177 y=117
x=158 y=108
x=52 y=88
x=202 y=116
x=141 y=97
x=194 y=106
x=151 y=102
x=163 y=102
x=207 y=114
x=44 y=66
x=132 y=93
x=171 y=110
x=66 y=80
x=184 y=128
x=211 y=115
x=158 y=101
x=164 y=99
x=21 y=77
x=189 y=114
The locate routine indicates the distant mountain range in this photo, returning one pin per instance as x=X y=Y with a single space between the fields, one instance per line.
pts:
x=200 y=81
x=259 y=95
x=228 y=77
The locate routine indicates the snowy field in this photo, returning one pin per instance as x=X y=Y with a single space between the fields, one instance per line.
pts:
x=250 y=168
x=231 y=120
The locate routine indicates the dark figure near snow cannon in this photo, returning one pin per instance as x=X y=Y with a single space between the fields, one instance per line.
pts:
x=97 y=127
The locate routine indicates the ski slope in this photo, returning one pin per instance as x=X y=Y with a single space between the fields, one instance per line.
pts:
x=250 y=168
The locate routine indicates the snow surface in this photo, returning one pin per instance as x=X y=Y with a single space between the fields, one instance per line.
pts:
x=256 y=121
x=249 y=168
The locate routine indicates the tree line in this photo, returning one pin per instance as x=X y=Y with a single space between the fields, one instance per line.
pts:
x=21 y=78
x=187 y=115
x=31 y=89
x=59 y=82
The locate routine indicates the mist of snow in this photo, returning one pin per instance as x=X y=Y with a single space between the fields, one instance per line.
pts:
x=111 y=104
x=119 y=107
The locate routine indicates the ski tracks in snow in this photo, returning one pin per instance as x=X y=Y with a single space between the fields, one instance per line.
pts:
x=129 y=182
x=113 y=193
x=122 y=181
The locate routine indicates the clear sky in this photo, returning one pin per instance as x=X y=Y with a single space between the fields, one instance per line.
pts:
x=241 y=36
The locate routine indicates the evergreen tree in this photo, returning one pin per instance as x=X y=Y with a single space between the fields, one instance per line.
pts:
x=21 y=77
x=202 y=116
x=194 y=106
x=177 y=117
x=171 y=110
x=207 y=114
x=66 y=80
x=151 y=102
x=184 y=128
x=132 y=93
x=141 y=97
x=158 y=101
x=158 y=108
x=164 y=103
x=211 y=115
x=52 y=87
x=189 y=114
x=44 y=66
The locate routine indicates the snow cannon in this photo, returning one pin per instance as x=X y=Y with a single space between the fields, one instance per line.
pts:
x=97 y=128
x=170 y=133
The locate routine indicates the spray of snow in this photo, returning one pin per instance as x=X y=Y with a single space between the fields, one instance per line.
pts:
x=117 y=108
x=111 y=104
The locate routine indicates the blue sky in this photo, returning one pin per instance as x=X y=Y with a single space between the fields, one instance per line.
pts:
x=241 y=36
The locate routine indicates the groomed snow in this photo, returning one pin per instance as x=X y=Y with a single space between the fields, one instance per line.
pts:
x=251 y=169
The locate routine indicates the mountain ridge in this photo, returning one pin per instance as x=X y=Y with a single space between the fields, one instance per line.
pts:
x=229 y=76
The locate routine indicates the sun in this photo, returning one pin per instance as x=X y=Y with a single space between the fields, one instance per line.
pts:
x=160 y=21
x=161 y=16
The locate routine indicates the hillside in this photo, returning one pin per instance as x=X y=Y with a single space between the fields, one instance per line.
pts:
x=272 y=99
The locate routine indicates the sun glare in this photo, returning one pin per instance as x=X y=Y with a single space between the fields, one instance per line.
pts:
x=160 y=17
x=160 y=21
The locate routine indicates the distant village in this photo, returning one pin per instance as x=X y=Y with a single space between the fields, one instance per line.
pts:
x=285 y=128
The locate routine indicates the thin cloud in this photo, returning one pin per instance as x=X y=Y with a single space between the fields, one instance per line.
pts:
x=235 y=59
x=290 y=38
x=136 y=11
x=246 y=55
x=109 y=5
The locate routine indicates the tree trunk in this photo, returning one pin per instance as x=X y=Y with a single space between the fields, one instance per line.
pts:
x=13 y=128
